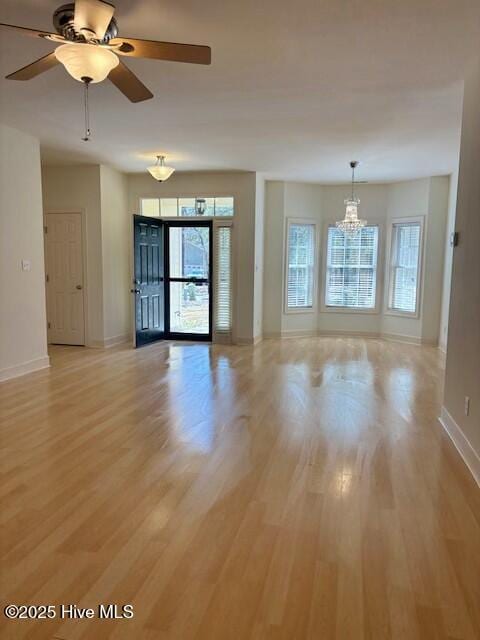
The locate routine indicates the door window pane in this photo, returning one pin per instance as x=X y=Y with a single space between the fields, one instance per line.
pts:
x=224 y=206
x=186 y=207
x=205 y=207
x=189 y=252
x=189 y=307
x=150 y=207
x=169 y=207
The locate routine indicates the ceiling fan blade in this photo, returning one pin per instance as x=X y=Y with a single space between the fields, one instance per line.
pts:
x=194 y=53
x=129 y=84
x=93 y=16
x=25 y=30
x=35 y=68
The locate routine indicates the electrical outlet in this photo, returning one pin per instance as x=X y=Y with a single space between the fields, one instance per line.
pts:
x=467 y=405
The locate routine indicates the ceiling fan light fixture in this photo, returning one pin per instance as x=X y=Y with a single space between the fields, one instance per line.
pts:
x=86 y=61
x=159 y=171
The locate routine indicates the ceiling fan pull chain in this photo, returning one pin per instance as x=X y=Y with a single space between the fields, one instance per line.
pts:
x=86 y=138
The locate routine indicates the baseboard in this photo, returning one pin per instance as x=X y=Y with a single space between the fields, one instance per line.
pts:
x=248 y=341
x=463 y=446
x=26 y=367
x=115 y=340
x=398 y=337
x=291 y=334
x=109 y=342
x=349 y=334
x=391 y=337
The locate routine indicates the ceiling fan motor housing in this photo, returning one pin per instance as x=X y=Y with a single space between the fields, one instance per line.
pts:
x=63 y=21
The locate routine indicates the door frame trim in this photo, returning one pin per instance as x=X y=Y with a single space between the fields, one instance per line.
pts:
x=83 y=218
x=192 y=337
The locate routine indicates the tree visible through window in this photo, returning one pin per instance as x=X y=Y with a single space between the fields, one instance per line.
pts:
x=352 y=268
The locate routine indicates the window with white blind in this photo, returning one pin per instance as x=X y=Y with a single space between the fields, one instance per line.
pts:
x=301 y=260
x=223 y=280
x=405 y=255
x=351 y=273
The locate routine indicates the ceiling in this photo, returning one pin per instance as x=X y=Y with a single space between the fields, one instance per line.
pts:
x=295 y=90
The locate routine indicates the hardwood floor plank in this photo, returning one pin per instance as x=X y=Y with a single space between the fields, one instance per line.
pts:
x=295 y=490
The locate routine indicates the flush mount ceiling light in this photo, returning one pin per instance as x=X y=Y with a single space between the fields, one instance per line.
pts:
x=159 y=171
x=351 y=223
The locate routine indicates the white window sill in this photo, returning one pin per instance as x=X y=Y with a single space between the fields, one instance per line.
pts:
x=402 y=314
x=353 y=310
x=298 y=310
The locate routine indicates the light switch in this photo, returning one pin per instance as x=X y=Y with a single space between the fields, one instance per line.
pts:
x=26 y=265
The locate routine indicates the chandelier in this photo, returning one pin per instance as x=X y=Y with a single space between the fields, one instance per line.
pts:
x=351 y=223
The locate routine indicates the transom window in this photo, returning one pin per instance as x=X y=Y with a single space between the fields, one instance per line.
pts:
x=351 y=275
x=187 y=207
x=301 y=258
x=404 y=266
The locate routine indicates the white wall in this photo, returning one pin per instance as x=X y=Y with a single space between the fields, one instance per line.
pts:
x=463 y=354
x=447 y=267
x=242 y=186
x=273 y=257
x=116 y=254
x=23 y=324
x=259 y=256
x=77 y=188
x=379 y=204
x=434 y=258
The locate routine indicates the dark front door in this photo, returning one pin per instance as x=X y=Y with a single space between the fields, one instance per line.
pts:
x=149 y=285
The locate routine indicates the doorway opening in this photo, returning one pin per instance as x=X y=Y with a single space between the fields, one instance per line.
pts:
x=172 y=280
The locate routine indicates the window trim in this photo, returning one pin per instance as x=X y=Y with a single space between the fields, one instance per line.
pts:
x=376 y=310
x=388 y=310
x=312 y=223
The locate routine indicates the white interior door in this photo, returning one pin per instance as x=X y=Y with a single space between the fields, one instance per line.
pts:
x=64 y=267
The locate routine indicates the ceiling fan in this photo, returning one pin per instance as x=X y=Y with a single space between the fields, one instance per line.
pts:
x=89 y=49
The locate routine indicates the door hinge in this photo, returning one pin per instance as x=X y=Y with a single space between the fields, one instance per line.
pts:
x=45 y=229
x=47 y=278
x=49 y=326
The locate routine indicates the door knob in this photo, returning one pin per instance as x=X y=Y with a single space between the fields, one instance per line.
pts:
x=79 y=286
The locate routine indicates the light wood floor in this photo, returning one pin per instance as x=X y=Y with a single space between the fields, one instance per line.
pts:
x=299 y=489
